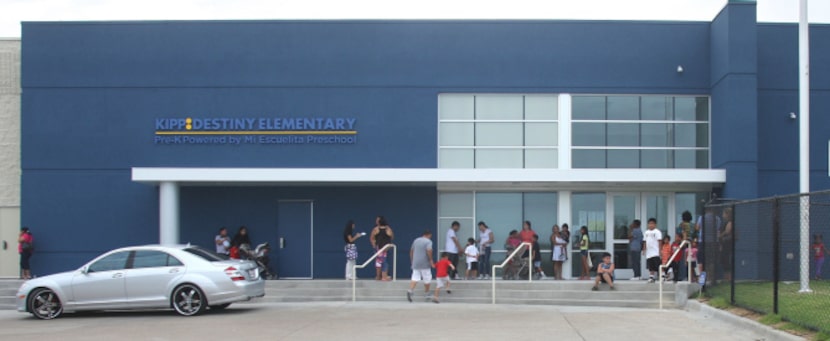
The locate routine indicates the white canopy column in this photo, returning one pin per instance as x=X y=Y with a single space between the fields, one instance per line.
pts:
x=168 y=213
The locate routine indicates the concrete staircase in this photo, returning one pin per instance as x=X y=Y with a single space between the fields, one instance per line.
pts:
x=8 y=288
x=632 y=294
x=635 y=294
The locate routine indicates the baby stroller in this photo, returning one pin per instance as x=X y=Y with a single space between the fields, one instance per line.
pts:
x=517 y=267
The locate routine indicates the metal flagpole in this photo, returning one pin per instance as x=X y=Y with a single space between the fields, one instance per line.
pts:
x=804 y=141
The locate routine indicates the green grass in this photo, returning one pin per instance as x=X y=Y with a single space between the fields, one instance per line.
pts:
x=770 y=319
x=810 y=310
x=822 y=336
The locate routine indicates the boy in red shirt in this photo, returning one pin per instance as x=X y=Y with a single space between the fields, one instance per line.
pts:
x=442 y=274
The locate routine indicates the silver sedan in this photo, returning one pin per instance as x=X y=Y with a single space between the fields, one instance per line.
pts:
x=187 y=278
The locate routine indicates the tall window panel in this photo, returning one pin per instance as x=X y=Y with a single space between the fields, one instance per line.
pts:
x=640 y=131
x=498 y=131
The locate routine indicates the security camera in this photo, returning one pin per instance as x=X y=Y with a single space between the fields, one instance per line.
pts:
x=680 y=69
x=793 y=116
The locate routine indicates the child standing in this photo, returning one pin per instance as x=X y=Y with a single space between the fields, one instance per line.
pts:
x=691 y=259
x=605 y=272
x=665 y=253
x=442 y=274
x=818 y=251
x=472 y=258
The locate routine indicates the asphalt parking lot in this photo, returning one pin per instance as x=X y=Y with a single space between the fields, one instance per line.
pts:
x=379 y=320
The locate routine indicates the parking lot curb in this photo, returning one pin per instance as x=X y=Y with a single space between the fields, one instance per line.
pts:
x=767 y=332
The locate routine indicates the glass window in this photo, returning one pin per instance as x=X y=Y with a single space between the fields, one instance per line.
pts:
x=205 y=254
x=625 y=211
x=455 y=205
x=151 y=259
x=541 y=107
x=541 y=134
x=456 y=158
x=691 y=159
x=692 y=202
x=588 y=209
x=499 y=158
x=657 y=207
x=499 y=107
x=588 y=158
x=655 y=135
x=502 y=212
x=456 y=107
x=541 y=158
x=588 y=107
x=112 y=262
x=588 y=134
x=623 y=134
x=691 y=135
x=657 y=108
x=540 y=209
x=623 y=108
x=656 y=158
x=623 y=158
x=456 y=134
x=499 y=134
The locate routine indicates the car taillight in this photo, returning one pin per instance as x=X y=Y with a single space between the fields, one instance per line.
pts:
x=234 y=274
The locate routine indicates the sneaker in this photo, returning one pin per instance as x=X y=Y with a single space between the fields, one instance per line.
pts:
x=409 y=296
x=651 y=280
x=480 y=277
x=613 y=288
x=435 y=301
x=635 y=278
x=486 y=276
x=427 y=297
x=595 y=289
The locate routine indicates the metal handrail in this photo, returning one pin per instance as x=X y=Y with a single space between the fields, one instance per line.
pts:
x=361 y=266
x=506 y=260
x=663 y=266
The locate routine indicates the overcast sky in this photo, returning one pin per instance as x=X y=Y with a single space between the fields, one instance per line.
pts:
x=12 y=12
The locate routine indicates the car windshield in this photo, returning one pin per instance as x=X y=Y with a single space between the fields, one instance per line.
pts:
x=205 y=254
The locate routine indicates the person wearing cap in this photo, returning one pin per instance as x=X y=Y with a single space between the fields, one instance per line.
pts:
x=25 y=248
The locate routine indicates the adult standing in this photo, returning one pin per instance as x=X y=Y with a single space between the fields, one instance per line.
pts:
x=652 y=238
x=558 y=251
x=420 y=255
x=452 y=246
x=240 y=238
x=527 y=232
x=381 y=235
x=222 y=241
x=725 y=238
x=349 y=236
x=635 y=248
x=25 y=247
x=485 y=240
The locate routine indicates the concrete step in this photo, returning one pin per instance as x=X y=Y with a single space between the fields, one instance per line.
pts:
x=8 y=288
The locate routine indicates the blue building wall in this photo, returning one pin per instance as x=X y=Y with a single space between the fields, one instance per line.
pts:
x=91 y=93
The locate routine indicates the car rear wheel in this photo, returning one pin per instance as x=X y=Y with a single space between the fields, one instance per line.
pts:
x=220 y=306
x=45 y=304
x=188 y=300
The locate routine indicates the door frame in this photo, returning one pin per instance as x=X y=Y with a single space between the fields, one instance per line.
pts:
x=310 y=234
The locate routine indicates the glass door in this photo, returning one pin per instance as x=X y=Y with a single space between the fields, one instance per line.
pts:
x=624 y=209
x=588 y=210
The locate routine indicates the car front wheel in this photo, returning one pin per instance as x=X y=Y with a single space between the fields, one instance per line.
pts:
x=188 y=300
x=45 y=304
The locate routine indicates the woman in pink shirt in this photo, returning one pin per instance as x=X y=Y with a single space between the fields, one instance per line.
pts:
x=25 y=247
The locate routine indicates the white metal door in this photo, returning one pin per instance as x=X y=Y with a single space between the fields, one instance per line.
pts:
x=9 y=231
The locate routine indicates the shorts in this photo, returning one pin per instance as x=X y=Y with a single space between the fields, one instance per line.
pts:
x=537 y=264
x=602 y=279
x=424 y=275
x=472 y=266
x=653 y=263
x=583 y=252
x=442 y=281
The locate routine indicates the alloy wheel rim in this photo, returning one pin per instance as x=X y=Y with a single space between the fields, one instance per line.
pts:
x=189 y=301
x=46 y=304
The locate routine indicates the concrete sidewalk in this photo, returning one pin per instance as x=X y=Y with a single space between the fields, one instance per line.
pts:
x=382 y=320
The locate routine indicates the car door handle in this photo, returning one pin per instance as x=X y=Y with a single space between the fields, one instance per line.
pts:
x=117 y=275
x=173 y=271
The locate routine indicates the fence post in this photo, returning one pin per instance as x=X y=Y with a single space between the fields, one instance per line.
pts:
x=776 y=253
x=732 y=267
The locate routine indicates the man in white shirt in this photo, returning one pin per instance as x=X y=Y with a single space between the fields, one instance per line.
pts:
x=223 y=242
x=452 y=246
x=651 y=248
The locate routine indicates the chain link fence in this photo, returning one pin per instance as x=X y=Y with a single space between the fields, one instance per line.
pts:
x=752 y=252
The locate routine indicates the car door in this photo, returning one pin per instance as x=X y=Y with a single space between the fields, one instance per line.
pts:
x=102 y=285
x=149 y=278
